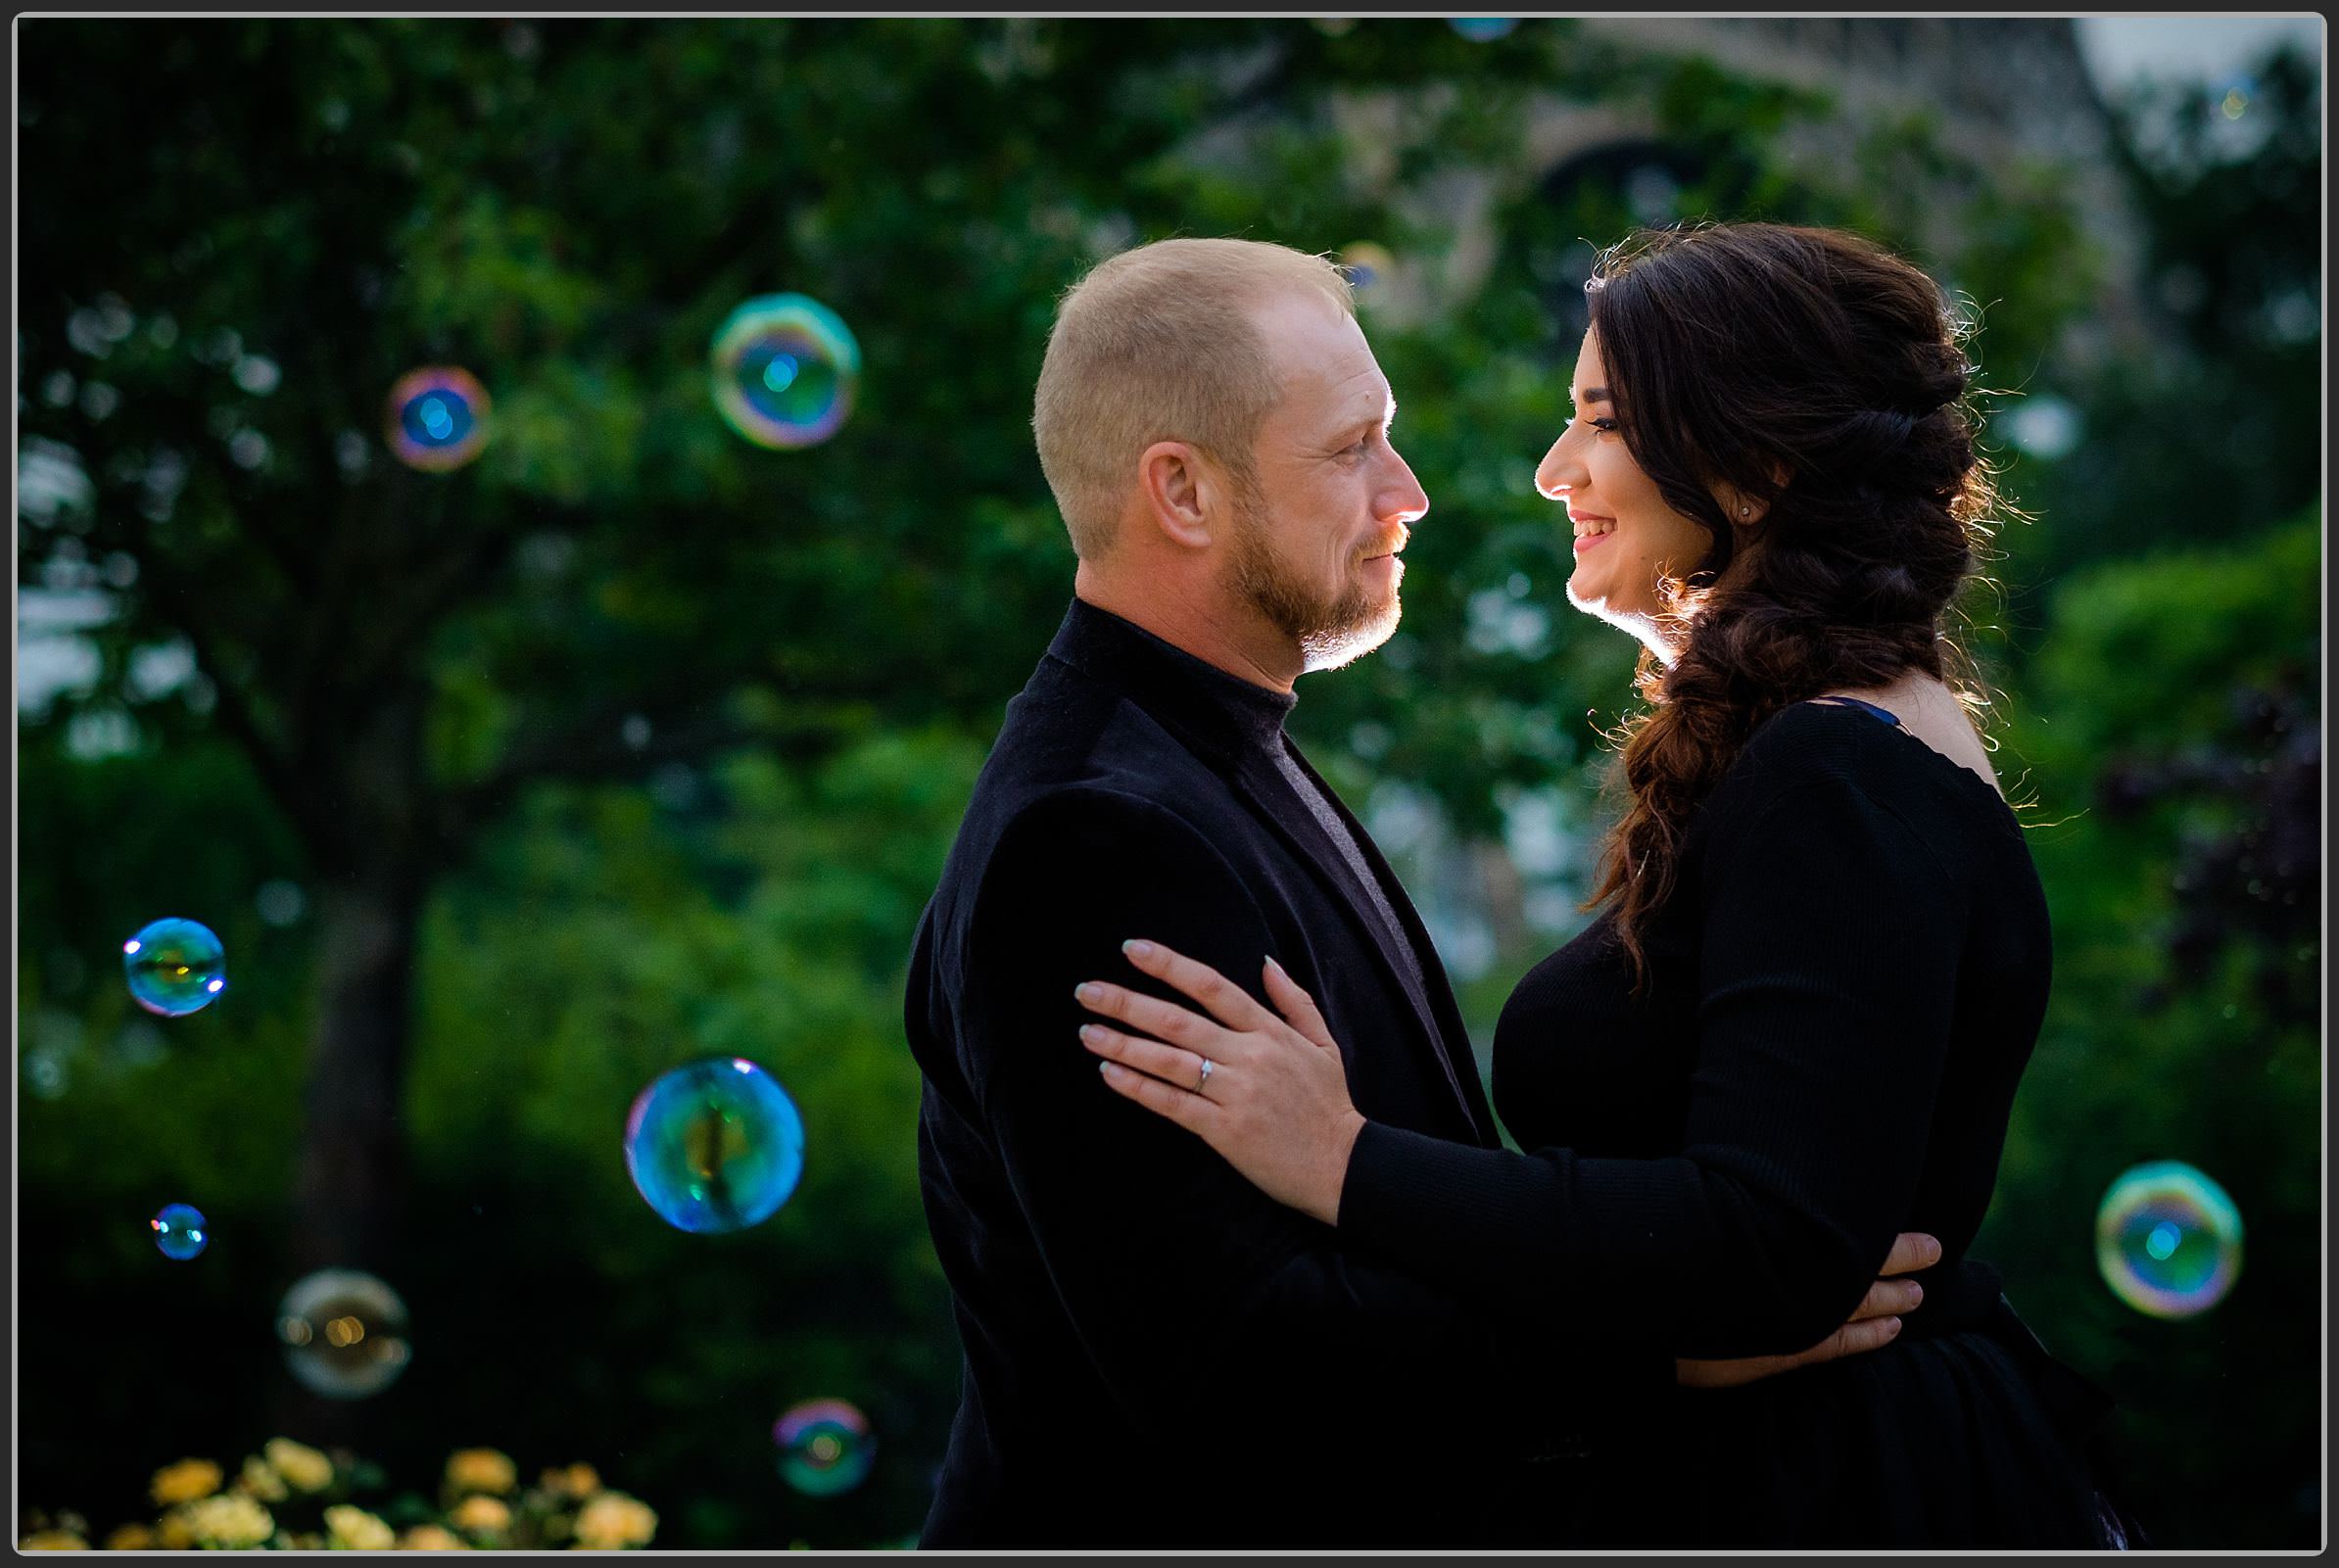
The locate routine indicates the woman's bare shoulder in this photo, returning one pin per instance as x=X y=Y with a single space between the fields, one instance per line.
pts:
x=1931 y=713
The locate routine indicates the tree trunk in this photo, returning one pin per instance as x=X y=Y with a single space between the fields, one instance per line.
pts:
x=374 y=877
x=353 y=1153
x=349 y=1188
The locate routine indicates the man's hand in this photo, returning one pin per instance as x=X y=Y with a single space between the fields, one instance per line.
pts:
x=1870 y=1328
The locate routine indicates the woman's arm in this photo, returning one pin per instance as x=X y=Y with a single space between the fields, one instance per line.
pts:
x=1827 y=977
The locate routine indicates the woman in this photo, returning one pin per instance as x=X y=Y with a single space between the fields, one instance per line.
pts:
x=1798 y=1024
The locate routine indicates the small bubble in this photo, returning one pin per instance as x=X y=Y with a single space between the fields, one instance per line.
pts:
x=2167 y=1240
x=785 y=370
x=175 y=967
x=1366 y=266
x=344 y=1333
x=181 y=1231
x=824 y=1446
x=436 y=419
x=715 y=1145
x=248 y=448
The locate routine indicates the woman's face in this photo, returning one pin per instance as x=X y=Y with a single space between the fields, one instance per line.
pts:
x=1626 y=536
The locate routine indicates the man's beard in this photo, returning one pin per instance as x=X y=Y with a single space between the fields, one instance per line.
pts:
x=1331 y=632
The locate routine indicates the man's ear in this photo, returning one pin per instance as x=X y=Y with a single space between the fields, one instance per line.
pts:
x=1181 y=492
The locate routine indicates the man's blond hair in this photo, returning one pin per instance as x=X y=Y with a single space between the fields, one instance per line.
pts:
x=1158 y=344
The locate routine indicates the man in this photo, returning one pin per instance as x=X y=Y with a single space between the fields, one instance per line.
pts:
x=1216 y=434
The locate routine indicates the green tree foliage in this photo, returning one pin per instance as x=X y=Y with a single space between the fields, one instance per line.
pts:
x=2173 y=739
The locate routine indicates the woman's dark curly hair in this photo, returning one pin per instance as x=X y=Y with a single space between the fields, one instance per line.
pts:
x=1815 y=372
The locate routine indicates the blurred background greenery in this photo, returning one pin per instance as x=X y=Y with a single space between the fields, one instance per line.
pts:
x=632 y=742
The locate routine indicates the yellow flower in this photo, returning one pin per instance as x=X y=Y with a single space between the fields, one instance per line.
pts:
x=172 y=1532
x=185 y=1481
x=52 y=1540
x=431 y=1537
x=578 y=1480
x=229 y=1521
x=481 y=1470
x=481 y=1516
x=257 y=1480
x=300 y=1464
x=613 y=1520
x=131 y=1537
x=355 y=1530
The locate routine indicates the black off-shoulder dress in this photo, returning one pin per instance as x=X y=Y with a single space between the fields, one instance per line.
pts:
x=1843 y=994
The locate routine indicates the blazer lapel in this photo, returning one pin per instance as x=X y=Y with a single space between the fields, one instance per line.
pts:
x=1269 y=794
x=1448 y=1034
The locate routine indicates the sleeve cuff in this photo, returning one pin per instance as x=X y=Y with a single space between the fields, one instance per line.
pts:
x=1454 y=1216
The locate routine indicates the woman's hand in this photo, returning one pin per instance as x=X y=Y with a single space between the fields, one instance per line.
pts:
x=1273 y=1099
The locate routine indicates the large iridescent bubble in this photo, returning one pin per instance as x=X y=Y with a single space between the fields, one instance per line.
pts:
x=344 y=1333
x=715 y=1145
x=175 y=967
x=785 y=369
x=2169 y=1240
x=824 y=1446
x=436 y=419
x=181 y=1231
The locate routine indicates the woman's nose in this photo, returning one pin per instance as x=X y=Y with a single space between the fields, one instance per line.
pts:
x=1557 y=472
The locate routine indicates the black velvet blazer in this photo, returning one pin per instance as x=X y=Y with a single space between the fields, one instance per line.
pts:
x=1156 y=1352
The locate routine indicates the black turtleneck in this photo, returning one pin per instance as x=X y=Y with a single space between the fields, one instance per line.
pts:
x=1258 y=714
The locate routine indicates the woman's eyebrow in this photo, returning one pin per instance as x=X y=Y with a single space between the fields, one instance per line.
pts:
x=1593 y=395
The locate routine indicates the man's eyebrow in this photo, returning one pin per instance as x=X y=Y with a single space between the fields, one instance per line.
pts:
x=1369 y=423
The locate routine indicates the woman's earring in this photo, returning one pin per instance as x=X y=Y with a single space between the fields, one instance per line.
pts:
x=1745 y=511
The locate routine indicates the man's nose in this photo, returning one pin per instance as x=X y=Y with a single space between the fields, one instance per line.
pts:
x=1401 y=498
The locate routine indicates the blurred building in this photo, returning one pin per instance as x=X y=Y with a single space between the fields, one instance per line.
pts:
x=2011 y=97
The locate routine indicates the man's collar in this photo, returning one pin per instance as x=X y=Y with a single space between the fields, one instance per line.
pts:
x=1223 y=711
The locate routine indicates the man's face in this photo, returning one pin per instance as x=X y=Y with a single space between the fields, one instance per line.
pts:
x=1315 y=544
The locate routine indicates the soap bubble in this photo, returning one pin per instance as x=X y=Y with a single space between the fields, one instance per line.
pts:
x=436 y=419
x=344 y=1333
x=175 y=967
x=1367 y=265
x=2169 y=1240
x=715 y=1145
x=1483 y=30
x=824 y=1446
x=181 y=1231
x=784 y=368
